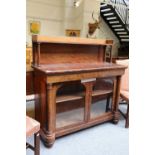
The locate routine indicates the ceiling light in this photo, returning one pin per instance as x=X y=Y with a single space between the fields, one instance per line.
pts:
x=77 y=3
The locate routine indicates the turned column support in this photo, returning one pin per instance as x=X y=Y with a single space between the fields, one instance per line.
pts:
x=49 y=131
x=88 y=84
x=116 y=97
x=38 y=54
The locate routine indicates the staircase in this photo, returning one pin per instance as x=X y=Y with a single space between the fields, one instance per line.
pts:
x=116 y=15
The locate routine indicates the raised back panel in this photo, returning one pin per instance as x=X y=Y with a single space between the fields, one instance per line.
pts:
x=52 y=53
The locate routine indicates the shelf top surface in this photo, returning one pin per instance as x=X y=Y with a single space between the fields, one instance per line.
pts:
x=70 y=40
x=76 y=67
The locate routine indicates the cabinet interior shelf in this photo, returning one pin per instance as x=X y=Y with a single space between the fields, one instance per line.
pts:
x=68 y=97
x=78 y=96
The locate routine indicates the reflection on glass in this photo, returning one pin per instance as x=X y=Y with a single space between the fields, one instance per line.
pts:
x=102 y=92
x=70 y=104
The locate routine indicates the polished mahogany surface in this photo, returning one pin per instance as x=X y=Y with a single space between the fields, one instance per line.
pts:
x=76 y=67
x=72 y=70
x=51 y=50
x=70 y=40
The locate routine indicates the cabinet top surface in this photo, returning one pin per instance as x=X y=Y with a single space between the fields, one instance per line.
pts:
x=70 y=40
x=77 y=67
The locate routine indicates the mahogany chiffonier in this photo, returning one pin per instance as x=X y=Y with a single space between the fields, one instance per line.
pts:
x=66 y=69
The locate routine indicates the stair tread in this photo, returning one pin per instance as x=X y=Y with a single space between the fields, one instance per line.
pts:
x=106 y=10
x=113 y=19
x=114 y=26
x=124 y=37
x=104 y=5
x=112 y=15
x=122 y=32
x=121 y=29
x=125 y=40
x=108 y=14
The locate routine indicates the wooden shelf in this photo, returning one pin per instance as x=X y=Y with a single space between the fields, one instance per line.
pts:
x=70 y=97
x=101 y=92
x=77 y=96
x=75 y=116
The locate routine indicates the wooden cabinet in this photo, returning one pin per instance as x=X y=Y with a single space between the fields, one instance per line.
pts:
x=66 y=71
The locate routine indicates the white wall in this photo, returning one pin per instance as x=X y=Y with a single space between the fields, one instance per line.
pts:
x=58 y=15
x=49 y=12
x=104 y=32
x=73 y=17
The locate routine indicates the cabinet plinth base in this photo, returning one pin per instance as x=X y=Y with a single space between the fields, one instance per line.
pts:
x=116 y=117
x=47 y=138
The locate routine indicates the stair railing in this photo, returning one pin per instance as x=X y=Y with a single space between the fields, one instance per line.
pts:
x=122 y=9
